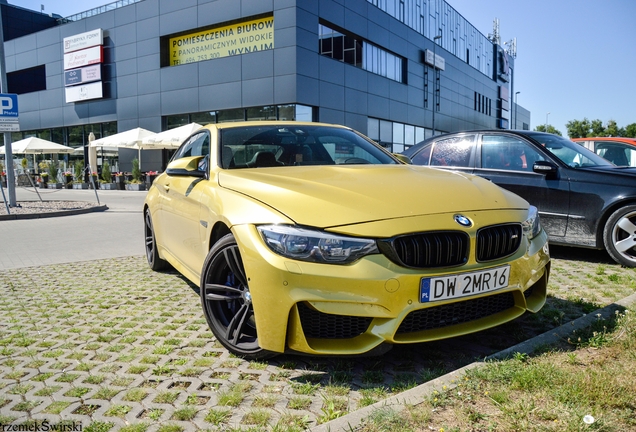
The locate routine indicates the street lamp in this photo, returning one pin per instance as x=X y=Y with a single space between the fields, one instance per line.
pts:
x=435 y=77
x=546 y=121
x=516 y=111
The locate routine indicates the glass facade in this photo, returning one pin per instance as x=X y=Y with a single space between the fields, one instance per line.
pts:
x=292 y=112
x=431 y=18
x=354 y=51
x=394 y=136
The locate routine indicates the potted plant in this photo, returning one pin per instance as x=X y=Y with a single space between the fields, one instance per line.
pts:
x=107 y=177
x=68 y=180
x=150 y=177
x=79 y=175
x=94 y=180
x=52 y=170
x=44 y=180
x=120 y=181
x=136 y=183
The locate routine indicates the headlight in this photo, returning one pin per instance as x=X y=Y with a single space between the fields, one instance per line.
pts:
x=315 y=246
x=532 y=225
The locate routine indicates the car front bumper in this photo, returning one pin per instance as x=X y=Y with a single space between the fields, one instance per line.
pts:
x=352 y=309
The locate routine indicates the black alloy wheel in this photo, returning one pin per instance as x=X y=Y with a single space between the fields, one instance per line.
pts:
x=152 y=255
x=227 y=302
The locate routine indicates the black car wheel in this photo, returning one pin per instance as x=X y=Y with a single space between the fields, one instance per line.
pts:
x=227 y=302
x=152 y=255
x=620 y=236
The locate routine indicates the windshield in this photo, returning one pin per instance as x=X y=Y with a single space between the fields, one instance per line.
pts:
x=290 y=145
x=568 y=152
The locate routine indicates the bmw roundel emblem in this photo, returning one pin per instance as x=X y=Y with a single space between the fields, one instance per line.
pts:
x=462 y=220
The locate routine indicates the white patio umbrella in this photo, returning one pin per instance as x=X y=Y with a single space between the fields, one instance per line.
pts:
x=172 y=138
x=34 y=145
x=130 y=138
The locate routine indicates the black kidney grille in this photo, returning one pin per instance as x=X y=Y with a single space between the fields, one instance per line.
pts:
x=455 y=313
x=320 y=325
x=498 y=241
x=432 y=249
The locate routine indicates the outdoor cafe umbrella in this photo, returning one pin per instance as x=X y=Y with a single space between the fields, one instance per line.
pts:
x=130 y=138
x=170 y=139
x=34 y=145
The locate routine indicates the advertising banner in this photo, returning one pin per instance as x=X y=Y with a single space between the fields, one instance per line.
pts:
x=84 y=57
x=83 y=75
x=435 y=60
x=84 y=92
x=234 y=39
x=83 y=40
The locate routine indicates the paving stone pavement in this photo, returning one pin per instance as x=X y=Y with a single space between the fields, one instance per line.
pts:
x=110 y=345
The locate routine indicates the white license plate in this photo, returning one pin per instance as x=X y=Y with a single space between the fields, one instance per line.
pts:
x=463 y=284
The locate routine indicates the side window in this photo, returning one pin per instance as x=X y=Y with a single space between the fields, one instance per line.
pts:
x=196 y=145
x=423 y=157
x=507 y=153
x=618 y=154
x=453 y=152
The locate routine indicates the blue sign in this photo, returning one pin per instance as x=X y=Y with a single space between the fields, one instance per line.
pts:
x=72 y=77
x=8 y=105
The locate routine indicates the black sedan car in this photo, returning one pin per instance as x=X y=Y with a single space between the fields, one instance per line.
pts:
x=583 y=199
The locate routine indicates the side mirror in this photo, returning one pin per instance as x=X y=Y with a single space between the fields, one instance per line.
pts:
x=403 y=158
x=187 y=167
x=546 y=168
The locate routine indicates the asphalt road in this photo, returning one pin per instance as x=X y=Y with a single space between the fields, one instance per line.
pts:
x=117 y=232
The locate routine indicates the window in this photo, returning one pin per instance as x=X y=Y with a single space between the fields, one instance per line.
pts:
x=354 y=51
x=273 y=146
x=507 y=153
x=453 y=152
x=27 y=80
x=618 y=154
x=197 y=145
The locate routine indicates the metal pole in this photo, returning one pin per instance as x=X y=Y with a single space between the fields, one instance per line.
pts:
x=546 y=121
x=7 y=135
x=516 y=110
x=435 y=78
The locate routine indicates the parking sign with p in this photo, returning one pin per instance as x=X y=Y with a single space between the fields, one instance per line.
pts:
x=8 y=105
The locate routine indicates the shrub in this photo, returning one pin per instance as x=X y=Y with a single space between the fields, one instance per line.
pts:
x=52 y=168
x=136 y=172
x=106 y=174
x=79 y=170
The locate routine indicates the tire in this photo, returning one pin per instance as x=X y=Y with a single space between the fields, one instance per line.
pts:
x=227 y=303
x=619 y=236
x=152 y=255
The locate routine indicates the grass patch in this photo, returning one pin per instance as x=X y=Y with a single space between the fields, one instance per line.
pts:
x=589 y=386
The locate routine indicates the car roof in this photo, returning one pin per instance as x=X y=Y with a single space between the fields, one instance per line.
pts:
x=631 y=141
x=526 y=133
x=227 y=125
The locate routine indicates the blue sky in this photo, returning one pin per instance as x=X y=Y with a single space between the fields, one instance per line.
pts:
x=575 y=58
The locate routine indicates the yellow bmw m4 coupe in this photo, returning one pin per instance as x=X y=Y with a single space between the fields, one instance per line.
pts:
x=311 y=238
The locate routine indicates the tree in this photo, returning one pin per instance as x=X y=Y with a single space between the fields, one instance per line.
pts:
x=549 y=129
x=597 y=129
x=578 y=128
x=613 y=130
x=630 y=130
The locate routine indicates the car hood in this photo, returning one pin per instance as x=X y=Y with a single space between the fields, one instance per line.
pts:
x=330 y=196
